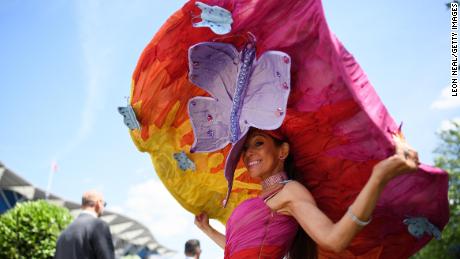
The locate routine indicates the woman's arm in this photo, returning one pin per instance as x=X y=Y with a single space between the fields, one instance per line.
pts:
x=337 y=236
x=202 y=222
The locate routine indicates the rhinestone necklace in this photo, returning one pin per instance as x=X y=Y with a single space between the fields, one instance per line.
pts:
x=274 y=179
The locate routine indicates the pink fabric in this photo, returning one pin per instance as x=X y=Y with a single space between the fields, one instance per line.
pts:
x=337 y=126
x=253 y=229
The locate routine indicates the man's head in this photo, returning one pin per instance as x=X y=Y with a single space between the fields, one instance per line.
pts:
x=192 y=248
x=93 y=201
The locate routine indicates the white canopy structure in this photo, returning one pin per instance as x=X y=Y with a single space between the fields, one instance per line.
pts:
x=130 y=236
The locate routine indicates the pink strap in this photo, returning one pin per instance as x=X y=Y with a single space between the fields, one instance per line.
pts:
x=275 y=192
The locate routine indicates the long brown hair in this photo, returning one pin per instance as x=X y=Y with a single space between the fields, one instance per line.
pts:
x=303 y=247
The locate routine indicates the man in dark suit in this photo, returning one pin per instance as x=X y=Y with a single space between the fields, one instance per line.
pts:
x=87 y=237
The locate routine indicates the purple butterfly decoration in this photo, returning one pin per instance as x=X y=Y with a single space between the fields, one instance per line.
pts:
x=245 y=92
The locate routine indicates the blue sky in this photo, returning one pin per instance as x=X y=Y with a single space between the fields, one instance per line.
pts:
x=65 y=67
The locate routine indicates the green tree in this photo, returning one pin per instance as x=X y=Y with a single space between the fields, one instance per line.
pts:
x=448 y=159
x=30 y=229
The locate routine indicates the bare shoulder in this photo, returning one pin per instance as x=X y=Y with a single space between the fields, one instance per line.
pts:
x=294 y=186
x=295 y=191
x=292 y=195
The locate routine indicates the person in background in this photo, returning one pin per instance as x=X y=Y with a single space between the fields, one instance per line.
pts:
x=192 y=249
x=87 y=237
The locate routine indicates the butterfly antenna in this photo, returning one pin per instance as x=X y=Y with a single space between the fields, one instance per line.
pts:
x=223 y=38
x=194 y=18
x=251 y=36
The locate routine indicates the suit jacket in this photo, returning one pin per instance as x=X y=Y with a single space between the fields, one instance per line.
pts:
x=87 y=237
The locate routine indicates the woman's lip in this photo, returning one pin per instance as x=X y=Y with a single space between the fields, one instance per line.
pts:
x=254 y=163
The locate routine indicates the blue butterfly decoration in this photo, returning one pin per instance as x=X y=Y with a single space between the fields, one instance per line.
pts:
x=184 y=162
x=417 y=227
x=218 y=19
x=129 y=117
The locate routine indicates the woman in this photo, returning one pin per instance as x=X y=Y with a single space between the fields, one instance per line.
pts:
x=335 y=122
x=265 y=226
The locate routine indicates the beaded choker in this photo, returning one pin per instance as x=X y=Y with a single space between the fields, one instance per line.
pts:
x=274 y=179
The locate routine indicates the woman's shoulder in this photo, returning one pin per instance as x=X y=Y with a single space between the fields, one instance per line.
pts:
x=294 y=190
x=294 y=185
x=292 y=193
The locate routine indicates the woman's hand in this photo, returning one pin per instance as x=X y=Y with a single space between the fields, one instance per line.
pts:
x=403 y=161
x=202 y=222
x=337 y=236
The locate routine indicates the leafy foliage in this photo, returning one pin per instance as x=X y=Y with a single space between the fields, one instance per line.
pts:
x=449 y=159
x=131 y=257
x=448 y=4
x=30 y=229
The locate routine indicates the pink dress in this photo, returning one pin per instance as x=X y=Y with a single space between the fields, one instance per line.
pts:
x=255 y=231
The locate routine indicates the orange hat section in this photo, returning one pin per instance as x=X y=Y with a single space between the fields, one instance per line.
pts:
x=165 y=128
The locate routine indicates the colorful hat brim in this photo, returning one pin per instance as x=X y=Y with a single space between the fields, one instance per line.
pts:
x=336 y=125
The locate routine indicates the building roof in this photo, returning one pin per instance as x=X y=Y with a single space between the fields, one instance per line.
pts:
x=128 y=233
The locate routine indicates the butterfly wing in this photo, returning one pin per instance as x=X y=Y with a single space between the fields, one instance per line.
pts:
x=210 y=120
x=217 y=28
x=215 y=13
x=214 y=68
x=267 y=93
x=129 y=117
x=184 y=162
x=218 y=19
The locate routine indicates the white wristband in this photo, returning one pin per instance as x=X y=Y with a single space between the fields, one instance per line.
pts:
x=356 y=220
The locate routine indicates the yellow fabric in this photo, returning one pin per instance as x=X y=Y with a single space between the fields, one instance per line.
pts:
x=198 y=190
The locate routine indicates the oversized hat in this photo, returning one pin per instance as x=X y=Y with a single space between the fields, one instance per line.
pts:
x=337 y=127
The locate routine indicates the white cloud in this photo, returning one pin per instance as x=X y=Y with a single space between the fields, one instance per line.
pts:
x=117 y=209
x=447 y=124
x=88 y=180
x=151 y=203
x=95 y=61
x=446 y=100
x=143 y=172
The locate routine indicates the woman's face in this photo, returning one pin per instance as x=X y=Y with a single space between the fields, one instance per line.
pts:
x=261 y=156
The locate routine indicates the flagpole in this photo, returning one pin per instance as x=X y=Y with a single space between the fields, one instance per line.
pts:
x=53 y=169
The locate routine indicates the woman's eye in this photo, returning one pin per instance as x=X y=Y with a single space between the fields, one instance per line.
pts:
x=259 y=143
